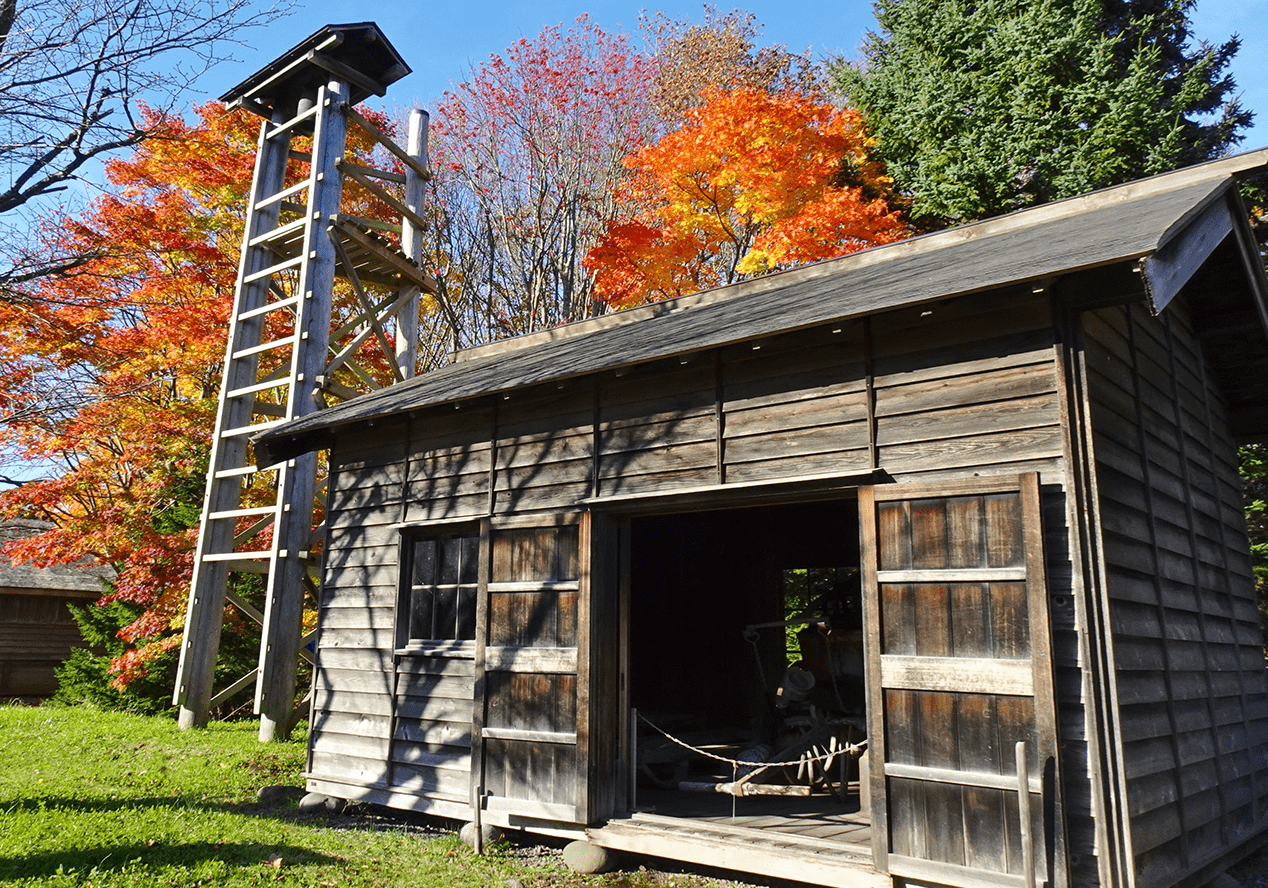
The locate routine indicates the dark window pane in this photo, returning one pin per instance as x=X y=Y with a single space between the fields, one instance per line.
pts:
x=444 y=573
x=420 y=613
x=469 y=573
x=424 y=562
x=466 y=611
x=446 y=612
x=450 y=559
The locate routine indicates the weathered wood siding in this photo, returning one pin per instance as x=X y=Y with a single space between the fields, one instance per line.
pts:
x=380 y=721
x=796 y=407
x=1187 y=646
x=36 y=634
x=966 y=387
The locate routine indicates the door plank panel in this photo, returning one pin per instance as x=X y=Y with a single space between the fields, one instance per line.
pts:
x=955 y=587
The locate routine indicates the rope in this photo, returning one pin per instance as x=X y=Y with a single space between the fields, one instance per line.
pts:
x=851 y=749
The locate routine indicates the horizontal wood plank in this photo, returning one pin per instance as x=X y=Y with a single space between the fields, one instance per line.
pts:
x=530 y=659
x=966 y=675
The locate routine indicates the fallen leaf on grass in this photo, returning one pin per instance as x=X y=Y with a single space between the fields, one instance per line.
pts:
x=275 y=861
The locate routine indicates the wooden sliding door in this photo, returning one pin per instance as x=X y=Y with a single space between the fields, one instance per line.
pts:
x=531 y=728
x=961 y=714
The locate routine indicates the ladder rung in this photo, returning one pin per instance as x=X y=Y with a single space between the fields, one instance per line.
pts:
x=251 y=429
x=293 y=122
x=265 y=309
x=250 y=566
x=263 y=347
x=280 y=232
x=242 y=513
x=282 y=195
x=234 y=556
x=258 y=387
x=274 y=269
x=239 y=471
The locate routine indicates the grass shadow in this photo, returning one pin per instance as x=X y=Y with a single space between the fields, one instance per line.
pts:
x=107 y=858
x=116 y=858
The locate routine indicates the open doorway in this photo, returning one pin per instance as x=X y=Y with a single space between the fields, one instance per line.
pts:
x=745 y=644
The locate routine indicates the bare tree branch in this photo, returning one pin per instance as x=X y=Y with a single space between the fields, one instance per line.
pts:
x=76 y=78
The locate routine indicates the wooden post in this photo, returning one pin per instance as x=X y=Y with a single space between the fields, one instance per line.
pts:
x=412 y=246
x=1023 y=810
x=284 y=601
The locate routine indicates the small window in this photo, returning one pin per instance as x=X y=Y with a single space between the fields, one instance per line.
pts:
x=443 y=577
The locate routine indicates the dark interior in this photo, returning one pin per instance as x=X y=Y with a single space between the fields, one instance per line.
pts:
x=710 y=661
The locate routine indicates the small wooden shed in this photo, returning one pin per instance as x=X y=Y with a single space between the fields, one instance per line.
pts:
x=37 y=632
x=972 y=496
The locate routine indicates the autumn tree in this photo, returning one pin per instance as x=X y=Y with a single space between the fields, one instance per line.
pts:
x=753 y=182
x=986 y=107
x=721 y=51
x=138 y=332
x=73 y=75
x=526 y=152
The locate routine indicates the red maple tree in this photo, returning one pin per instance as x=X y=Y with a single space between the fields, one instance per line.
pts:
x=110 y=374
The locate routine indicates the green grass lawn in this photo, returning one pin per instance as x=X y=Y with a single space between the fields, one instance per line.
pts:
x=106 y=799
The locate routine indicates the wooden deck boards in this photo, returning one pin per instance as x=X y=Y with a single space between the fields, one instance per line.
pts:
x=816 y=820
x=816 y=840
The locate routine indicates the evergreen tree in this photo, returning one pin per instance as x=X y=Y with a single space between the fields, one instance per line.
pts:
x=980 y=108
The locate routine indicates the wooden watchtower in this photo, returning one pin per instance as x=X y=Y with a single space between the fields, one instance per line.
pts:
x=285 y=353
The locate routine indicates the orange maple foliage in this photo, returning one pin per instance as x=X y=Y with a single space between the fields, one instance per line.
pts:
x=137 y=335
x=110 y=376
x=753 y=182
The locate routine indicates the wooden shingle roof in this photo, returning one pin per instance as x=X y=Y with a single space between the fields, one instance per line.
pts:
x=1141 y=221
x=81 y=577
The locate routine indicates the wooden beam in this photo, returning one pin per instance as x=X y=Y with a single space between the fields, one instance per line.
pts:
x=374 y=133
x=530 y=659
x=367 y=307
x=353 y=172
x=240 y=685
x=1176 y=261
x=965 y=675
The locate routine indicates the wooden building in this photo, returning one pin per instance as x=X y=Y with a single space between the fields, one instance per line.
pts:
x=36 y=629
x=988 y=479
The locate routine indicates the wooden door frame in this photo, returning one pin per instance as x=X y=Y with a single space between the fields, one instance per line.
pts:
x=611 y=519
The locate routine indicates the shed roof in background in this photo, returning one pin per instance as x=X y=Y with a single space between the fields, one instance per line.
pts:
x=80 y=578
x=1168 y=217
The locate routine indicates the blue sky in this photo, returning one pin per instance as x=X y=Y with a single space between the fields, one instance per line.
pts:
x=441 y=40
